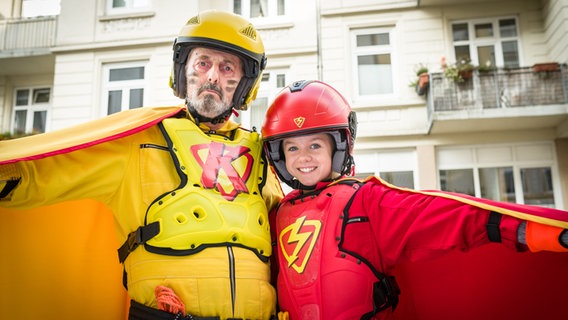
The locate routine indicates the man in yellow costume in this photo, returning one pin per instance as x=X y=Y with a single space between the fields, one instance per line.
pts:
x=189 y=189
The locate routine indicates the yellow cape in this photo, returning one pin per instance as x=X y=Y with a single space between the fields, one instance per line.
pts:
x=60 y=261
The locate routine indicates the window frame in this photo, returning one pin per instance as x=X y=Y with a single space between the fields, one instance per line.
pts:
x=373 y=50
x=124 y=85
x=31 y=108
x=377 y=162
x=514 y=156
x=128 y=8
x=497 y=41
x=272 y=17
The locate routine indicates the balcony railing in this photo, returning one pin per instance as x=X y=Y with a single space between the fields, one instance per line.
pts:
x=27 y=34
x=501 y=88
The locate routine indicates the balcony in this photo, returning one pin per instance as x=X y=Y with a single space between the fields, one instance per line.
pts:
x=503 y=99
x=27 y=36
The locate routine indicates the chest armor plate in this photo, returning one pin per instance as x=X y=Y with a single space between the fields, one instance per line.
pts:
x=311 y=263
x=218 y=202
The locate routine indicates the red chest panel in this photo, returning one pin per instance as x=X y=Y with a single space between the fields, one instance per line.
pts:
x=316 y=280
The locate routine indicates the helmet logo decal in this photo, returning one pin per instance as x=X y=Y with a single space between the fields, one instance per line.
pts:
x=249 y=32
x=299 y=121
x=193 y=20
x=225 y=168
x=297 y=242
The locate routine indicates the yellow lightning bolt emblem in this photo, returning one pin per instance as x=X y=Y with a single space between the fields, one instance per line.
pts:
x=295 y=236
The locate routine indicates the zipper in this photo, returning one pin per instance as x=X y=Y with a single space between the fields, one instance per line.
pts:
x=357 y=219
x=154 y=146
x=232 y=277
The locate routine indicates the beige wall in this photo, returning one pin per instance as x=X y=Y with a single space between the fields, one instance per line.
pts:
x=562 y=159
x=556 y=29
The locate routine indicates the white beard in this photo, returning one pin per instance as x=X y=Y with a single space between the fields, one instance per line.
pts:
x=208 y=106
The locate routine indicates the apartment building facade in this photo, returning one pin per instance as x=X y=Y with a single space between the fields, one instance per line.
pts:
x=501 y=134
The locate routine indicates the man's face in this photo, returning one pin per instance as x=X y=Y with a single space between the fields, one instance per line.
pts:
x=212 y=77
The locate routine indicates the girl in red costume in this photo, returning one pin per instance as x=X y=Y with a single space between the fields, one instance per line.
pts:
x=338 y=239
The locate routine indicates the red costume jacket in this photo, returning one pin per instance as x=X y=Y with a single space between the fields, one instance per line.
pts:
x=336 y=246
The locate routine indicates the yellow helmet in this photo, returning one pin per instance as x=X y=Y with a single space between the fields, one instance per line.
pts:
x=227 y=32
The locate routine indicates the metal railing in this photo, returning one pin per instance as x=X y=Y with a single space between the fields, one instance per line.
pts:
x=500 y=88
x=27 y=33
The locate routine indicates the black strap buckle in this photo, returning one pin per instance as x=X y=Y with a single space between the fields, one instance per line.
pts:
x=493 y=231
x=385 y=293
x=136 y=238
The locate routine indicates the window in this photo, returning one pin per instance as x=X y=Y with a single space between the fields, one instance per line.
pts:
x=403 y=179
x=396 y=167
x=537 y=186
x=518 y=173
x=38 y=8
x=259 y=8
x=127 y=6
x=372 y=50
x=123 y=86
x=30 y=110
x=271 y=83
x=493 y=42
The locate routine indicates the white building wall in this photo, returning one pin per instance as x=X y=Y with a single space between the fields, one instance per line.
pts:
x=556 y=29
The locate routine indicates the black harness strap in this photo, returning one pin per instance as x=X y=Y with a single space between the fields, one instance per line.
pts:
x=139 y=311
x=386 y=289
x=493 y=231
x=136 y=238
x=8 y=187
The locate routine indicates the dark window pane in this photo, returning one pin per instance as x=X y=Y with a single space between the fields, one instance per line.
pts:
x=123 y=74
x=22 y=97
x=462 y=53
x=136 y=98
x=497 y=184
x=280 y=80
x=374 y=59
x=376 y=39
x=511 y=54
x=20 y=121
x=118 y=3
x=403 y=179
x=375 y=74
x=237 y=7
x=459 y=32
x=258 y=8
x=508 y=28
x=39 y=121
x=484 y=30
x=41 y=95
x=114 y=101
x=459 y=180
x=281 y=7
x=486 y=55
x=537 y=186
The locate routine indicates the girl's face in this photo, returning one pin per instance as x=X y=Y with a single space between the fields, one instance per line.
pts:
x=308 y=158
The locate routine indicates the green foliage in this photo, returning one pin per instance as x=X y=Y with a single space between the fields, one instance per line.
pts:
x=457 y=71
x=10 y=136
x=420 y=69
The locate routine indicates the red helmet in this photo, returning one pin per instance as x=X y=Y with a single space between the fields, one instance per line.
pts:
x=307 y=107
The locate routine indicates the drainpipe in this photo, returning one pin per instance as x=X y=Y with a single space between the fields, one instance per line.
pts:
x=318 y=40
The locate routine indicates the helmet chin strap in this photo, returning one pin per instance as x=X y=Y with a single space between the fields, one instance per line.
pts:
x=296 y=184
x=199 y=118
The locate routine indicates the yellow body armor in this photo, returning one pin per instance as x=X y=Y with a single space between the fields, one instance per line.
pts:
x=218 y=202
